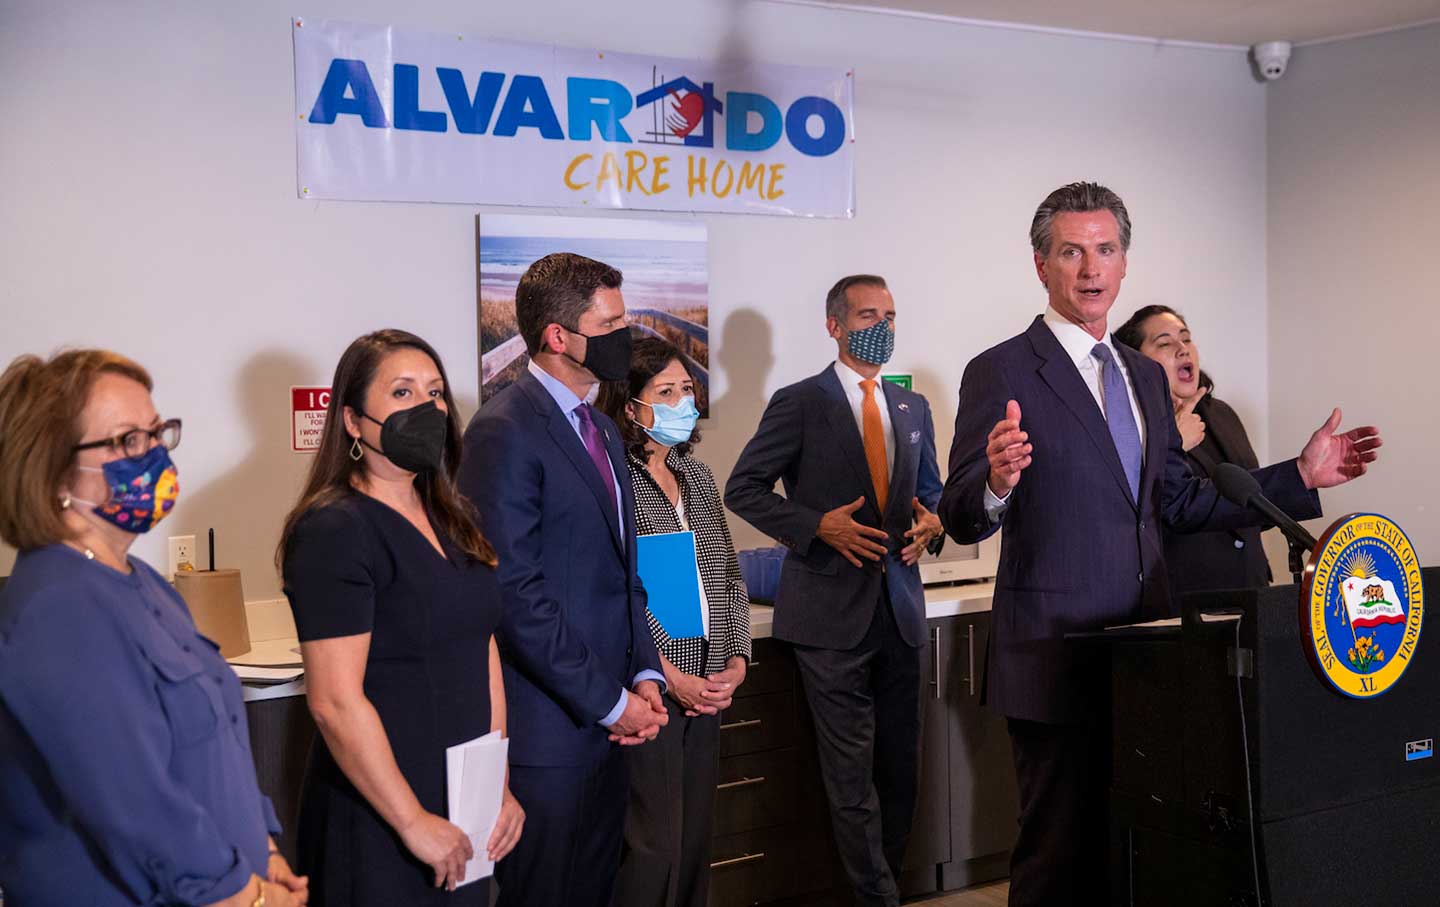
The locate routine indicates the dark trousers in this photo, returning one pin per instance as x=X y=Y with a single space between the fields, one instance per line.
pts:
x=1063 y=772
x=570 y=848
x=866 y=705
x=665 y=861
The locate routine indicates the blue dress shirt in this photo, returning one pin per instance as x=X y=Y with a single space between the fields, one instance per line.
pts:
x=125 y=768
x=565 y=398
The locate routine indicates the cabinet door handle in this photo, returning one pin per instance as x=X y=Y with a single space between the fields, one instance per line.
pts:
x=743 y=782
x=737 y=861
x=970 y=657
x=937 y=683
x=736 y=725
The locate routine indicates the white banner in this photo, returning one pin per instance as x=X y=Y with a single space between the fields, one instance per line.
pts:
x=388 y=114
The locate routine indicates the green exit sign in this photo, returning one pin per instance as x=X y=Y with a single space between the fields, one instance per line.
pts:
x=905 y=381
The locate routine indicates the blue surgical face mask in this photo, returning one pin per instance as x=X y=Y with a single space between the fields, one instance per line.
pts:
x=875 y=344
x=673 y=424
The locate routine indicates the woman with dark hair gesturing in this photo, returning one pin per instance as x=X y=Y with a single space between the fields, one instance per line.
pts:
x=1212 y=433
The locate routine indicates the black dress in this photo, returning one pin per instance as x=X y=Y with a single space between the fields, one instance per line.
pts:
x=358 y=566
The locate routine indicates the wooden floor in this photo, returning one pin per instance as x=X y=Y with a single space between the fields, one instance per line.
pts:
x=993 y=895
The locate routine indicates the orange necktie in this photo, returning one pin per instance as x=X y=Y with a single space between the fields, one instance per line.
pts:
x=875 y=444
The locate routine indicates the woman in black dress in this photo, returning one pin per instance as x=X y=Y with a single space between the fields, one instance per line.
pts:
x=1211 y=433
x=395 y=599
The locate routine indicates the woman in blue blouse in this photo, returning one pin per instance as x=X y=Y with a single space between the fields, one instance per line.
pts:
x=125 y=769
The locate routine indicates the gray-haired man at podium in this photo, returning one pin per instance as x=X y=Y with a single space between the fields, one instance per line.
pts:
x=1068 y=440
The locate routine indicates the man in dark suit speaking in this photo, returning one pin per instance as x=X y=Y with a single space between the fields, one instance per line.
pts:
x=857 y=459
x=1068 y=441
x=547 y=473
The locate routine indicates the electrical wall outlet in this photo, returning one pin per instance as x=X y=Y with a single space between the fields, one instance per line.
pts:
x=182 y=555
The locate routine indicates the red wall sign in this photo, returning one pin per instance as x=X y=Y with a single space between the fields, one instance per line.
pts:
x=307 y=408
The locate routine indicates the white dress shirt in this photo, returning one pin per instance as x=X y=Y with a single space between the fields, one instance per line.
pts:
x=850 y=381
x=1079 y=346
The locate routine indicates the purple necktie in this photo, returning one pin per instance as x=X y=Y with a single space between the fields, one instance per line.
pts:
x=596 y=447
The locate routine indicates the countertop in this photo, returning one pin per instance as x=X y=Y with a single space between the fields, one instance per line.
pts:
x=940 y=601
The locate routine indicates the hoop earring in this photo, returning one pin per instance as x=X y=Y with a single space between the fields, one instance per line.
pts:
x=355 y=451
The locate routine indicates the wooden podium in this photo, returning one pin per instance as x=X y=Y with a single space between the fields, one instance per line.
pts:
x=1240 y=778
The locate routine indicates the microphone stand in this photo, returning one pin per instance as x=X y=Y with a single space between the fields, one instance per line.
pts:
x=1297 y=560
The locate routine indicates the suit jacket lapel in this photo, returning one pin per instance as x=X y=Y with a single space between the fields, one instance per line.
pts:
x=570 y=444
x=615 y=448
x=1059 y=372
x=903 y=423
x=847 y=433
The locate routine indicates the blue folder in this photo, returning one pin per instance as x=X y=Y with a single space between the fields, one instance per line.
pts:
x=666 y=564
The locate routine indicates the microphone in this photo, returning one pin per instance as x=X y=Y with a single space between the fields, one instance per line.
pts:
x=1239 y=487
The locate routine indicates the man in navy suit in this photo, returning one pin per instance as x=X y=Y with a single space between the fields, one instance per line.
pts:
x=547 y=474
x=1068 y=440
x=857 y=459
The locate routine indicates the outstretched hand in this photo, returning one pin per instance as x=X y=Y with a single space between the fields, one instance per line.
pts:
x=853 y=540
x=927 y=528
x=1007 y=451
x=1331 y=459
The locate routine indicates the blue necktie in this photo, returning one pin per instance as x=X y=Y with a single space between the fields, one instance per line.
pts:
x=1118 y=415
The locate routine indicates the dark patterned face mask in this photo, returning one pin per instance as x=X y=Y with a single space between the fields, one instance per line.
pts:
x=875 y=344
x=143 y=490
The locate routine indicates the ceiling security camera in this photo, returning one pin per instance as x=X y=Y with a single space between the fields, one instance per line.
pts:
x=1271 y=58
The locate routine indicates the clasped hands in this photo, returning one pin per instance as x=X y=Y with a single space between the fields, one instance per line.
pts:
x=643 y=717
x=705 y=695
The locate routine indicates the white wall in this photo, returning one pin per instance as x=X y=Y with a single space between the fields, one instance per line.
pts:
x=147 y=203
x=1354 y=131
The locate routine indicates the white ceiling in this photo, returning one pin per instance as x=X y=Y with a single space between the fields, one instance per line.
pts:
x=1233 y=22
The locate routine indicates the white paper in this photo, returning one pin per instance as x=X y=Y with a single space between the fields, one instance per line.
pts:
x=258 y=674
x=1217 y=618
x=475 y=779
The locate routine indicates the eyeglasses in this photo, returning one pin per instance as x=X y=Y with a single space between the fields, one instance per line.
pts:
x=137 y=442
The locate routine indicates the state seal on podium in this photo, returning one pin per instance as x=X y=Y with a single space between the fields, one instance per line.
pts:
x=1362 y=605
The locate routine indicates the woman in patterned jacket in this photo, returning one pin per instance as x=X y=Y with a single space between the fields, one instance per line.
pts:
x=672 y=781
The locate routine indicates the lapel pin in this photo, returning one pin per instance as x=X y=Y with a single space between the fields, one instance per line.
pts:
x=914 y=437
x=904 y=407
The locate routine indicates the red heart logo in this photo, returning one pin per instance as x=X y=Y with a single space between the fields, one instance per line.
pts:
x=690 y=108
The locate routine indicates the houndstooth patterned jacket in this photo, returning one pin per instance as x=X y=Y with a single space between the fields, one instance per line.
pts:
x=725 y=593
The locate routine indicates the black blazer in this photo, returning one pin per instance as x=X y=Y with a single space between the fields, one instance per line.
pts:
x=1077 y=551
x=808 y=440
x=1227 y=559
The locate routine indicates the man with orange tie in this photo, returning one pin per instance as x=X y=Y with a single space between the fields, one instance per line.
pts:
x=856 y=456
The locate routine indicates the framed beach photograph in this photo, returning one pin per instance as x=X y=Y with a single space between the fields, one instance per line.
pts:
x=666 y=287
